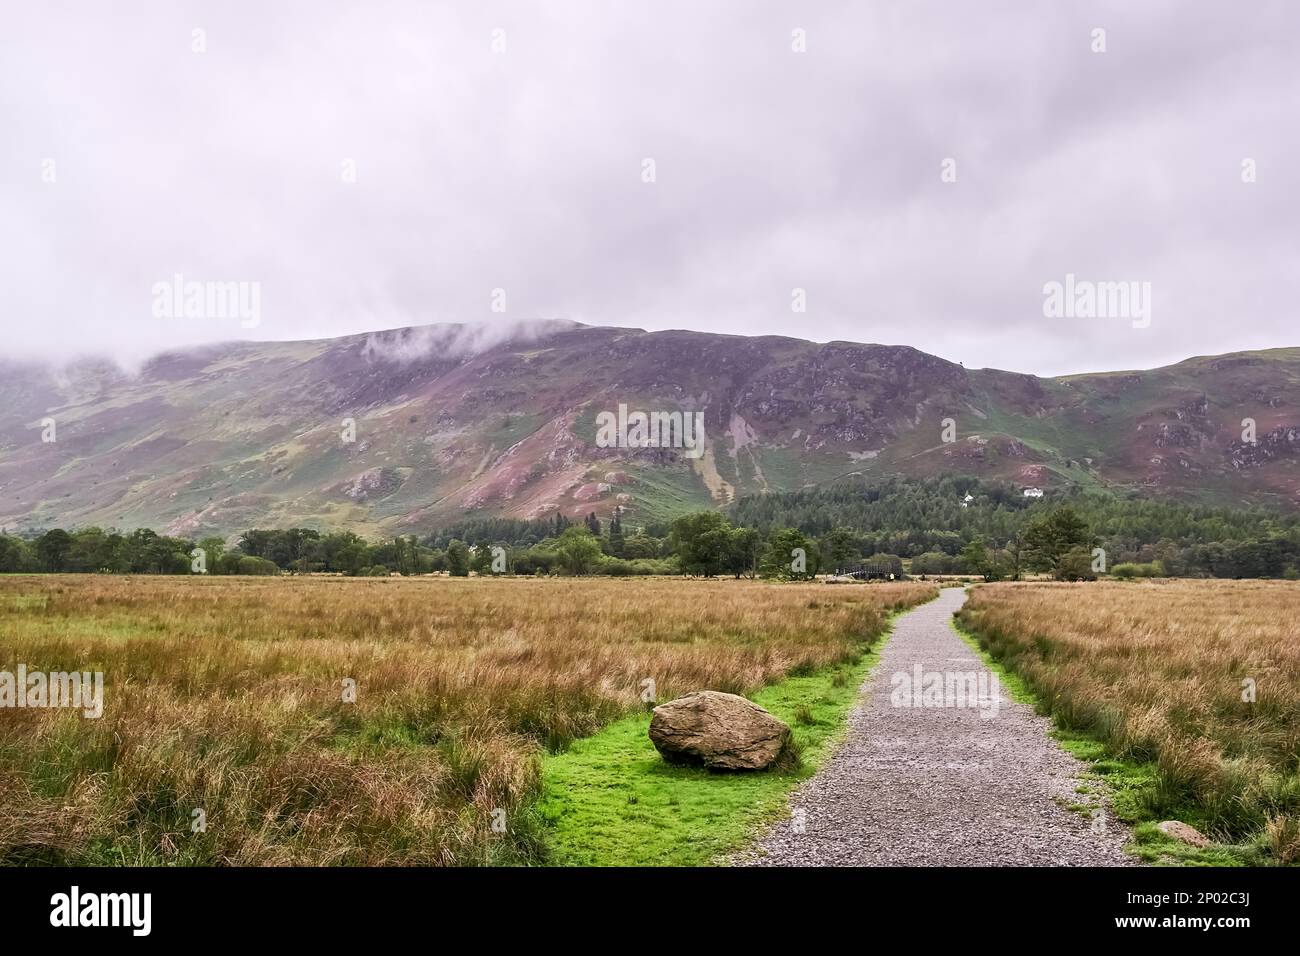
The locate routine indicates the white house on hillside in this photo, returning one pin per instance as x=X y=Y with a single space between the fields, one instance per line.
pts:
x=1033 y=492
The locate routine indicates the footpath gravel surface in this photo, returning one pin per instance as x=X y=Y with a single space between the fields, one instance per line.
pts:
x=972 y=785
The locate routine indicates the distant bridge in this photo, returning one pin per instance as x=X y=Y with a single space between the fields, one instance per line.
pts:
x=869 y=574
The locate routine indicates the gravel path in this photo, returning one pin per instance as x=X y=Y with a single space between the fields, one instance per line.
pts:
x=951 y=786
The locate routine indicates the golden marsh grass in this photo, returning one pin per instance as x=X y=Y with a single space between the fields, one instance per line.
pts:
x=226 y=695
x=1165 y=671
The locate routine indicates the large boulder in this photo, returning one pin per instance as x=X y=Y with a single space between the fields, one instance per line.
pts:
x=719 y=731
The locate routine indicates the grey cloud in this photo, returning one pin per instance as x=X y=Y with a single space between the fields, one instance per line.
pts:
x=776 y=170
x=407 y=345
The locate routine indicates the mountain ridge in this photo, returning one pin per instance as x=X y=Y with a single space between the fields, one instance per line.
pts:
x=452 y=421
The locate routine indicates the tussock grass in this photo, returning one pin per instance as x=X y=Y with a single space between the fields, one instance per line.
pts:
x=225 y=695
x=1156 y=672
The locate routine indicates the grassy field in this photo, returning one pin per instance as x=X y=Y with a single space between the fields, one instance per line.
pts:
x=1187 y=692
x=610 y=800
x=226 y=696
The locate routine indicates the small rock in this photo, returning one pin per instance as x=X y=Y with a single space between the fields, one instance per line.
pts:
x=1182 y=831
x=719 y=731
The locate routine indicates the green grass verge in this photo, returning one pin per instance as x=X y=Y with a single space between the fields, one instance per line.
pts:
x=1126 y=784
x=611 y=800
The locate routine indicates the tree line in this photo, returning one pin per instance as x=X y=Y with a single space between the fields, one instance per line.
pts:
x=946 y=525
x=932 y=522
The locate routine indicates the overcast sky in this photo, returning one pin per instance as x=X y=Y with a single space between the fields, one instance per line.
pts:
x=133 y=149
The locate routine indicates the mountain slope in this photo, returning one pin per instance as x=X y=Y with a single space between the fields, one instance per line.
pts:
x=448 y=421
